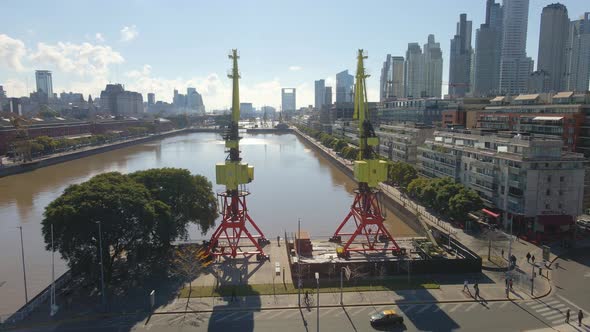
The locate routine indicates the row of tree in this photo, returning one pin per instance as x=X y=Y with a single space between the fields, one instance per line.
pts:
x=341 y=146
x=140 y=215
x=443 y=195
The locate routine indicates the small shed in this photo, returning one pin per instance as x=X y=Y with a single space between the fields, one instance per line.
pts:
x=303 y=243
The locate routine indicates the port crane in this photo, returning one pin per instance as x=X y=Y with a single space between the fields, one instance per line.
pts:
x=233 y=237
x=365 y=214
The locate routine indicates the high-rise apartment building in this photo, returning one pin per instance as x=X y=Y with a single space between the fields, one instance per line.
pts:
x=515 y=66
x=433 y=68
x=320 y=93
x=392 y=78
x=460 y=59
x=488 y=45
x=414 y=72
x=344 y=86
x=44 y=82
x=552 y=46
x=288 y=100
x=118 y=102
x=578 y=55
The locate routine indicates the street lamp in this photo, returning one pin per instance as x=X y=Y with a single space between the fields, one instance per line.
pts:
x=317 y=279
x=52 y=307
x=297 y=241
x=22 y=250
x=101 y=265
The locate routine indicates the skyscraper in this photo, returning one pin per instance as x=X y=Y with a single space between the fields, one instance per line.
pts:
x=414 y=71
x=515 y=66
x=433 y=67
x=552 y=45
x=460 y=59
x=151 y=98
x=44 y=82
x=344 y=84
x=578 y=55
x=328 y=96
x=488 y=44
x=288 y=100
x=392 y=78
x=320 y=92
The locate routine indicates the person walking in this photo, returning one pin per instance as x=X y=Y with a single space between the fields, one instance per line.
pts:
x=476 y=287
x=533 y=259
x=466 y=285
x=580 y=317
x=502 y=253
x=528 y=257
x=510 y=283
x=567 y=316
x=233 y=294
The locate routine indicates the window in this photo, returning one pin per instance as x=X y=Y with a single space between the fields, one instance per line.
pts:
x=548 y=192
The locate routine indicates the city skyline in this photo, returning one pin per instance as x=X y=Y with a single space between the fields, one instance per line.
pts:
x=123 y=52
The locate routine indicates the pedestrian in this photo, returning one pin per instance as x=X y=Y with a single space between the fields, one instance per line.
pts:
x=557 y=265
x=506 y=282
x=580 y=316
x=476 y=287
x=510 y=283
x=233 y=294
x=279 y=240
x=533 y=259
x=528 y=257
x=567 y=316
x=502 y=253
x=466 y=285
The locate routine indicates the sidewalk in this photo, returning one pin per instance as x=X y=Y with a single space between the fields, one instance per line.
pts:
x=446 y=294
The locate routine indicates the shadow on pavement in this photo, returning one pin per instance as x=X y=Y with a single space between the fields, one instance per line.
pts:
x=232 y=276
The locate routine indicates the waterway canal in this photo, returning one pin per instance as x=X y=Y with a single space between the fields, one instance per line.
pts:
x=291 y=181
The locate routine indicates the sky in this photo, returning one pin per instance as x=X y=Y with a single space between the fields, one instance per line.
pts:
x=157 y=46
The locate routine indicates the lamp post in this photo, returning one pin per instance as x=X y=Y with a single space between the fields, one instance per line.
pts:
x=297 y=240
x=317 y=279
x=101 y=265
x=341 y=283
x=52 y=306
x=22 y=250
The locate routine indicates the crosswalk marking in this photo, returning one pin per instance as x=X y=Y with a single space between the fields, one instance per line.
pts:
x=408 y=309
x=219 y=319
x=473 y=305
x=440 y=307
x=326 y=312
x=455 y=307
x=424 y=308
x=554 y=316
x=278 y=312
x=291 y=313
x=505 y=303
x=550 y=313
x=243 y=315
x=358 y=310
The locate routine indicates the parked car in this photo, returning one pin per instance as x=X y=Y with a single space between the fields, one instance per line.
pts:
x=386 y=317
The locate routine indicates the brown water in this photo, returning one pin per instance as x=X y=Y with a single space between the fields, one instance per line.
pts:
x=291 y=181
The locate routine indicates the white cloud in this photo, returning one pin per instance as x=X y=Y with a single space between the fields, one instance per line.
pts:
x=14 y=88
x=80 y=59
x=99 y=37
x=129 y=33
x=295 y=68
x=12 y=52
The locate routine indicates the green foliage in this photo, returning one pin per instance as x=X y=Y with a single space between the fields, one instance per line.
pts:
x=445 y=196
x=402 y=173
x=190 y=197
x=140 y=215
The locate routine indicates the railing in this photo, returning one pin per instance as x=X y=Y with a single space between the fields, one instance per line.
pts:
x=37 y=301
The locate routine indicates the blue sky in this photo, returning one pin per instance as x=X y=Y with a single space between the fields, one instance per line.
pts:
x=159 y=45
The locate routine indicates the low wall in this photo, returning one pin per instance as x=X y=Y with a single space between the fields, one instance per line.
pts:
x=387 y=201
x=33 y=165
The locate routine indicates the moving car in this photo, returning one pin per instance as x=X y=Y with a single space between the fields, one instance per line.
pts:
x=386 y=317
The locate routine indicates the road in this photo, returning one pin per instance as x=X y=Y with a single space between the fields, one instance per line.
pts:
x=467 y=316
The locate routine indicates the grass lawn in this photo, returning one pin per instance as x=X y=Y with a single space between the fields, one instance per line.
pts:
x=328 y=287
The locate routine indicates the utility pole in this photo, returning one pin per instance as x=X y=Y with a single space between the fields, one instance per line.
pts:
x=101 y=265
x=22 y=250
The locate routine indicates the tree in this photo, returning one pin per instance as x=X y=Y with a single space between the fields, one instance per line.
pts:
x=416 y=187
x=463 y=203
x=125 y=210
x=187 y=263
x=190 y=198
x=402 y=173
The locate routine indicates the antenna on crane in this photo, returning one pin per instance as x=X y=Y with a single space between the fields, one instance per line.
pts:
x=369 y=170
x=232 y=235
